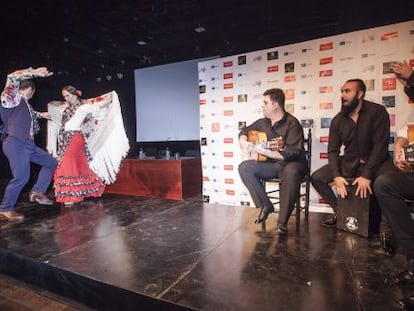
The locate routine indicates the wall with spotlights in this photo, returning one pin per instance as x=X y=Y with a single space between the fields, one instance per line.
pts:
x=311 y=73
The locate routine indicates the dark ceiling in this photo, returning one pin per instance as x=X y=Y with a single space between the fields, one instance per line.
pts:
x=99 y=38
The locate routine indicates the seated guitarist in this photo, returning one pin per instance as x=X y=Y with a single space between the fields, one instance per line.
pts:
x=395 y=188
x=287 y=162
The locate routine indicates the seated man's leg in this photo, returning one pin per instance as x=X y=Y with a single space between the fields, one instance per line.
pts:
x=292 y=174
x=321 y=180
x=251 y=173
x=391 y=190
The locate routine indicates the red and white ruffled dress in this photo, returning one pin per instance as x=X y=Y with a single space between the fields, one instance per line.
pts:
x=73 y=179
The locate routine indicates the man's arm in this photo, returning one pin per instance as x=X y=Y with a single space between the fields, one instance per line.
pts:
x=10 y=97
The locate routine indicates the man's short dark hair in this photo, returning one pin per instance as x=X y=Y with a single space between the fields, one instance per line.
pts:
x=25 y=84
x=276 y=95
x=361 y=85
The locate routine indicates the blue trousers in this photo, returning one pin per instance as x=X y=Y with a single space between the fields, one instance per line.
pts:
x=20 y=154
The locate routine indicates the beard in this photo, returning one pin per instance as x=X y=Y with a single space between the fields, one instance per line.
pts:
x=346 y=109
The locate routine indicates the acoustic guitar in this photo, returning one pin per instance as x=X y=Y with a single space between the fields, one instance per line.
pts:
x=258 y=138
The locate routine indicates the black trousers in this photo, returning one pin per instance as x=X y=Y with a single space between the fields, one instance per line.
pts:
x=392 y=190
x=252 y=172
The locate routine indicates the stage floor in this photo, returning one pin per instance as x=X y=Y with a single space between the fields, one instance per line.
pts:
x=126 y=252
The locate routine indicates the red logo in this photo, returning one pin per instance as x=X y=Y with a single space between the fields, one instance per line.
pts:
x=228 y=99
x=389 y=84
x=230 y=192
x=203 y=101
x=228 y=113
x=290 y=93
x=228 y=63
x=229 y=181
x=326 y=46
x=228 y=140
x=326 y=89
x=323 y=155
x=215 y=127
x=389 y=35
x=205 y=178
x=290 y=78
x=273 y=68
x=228 y=85
x=228 y=75
x=228 y=167
x=228 y=154
x=324 y=139
x=326 y=60
x=326 y=73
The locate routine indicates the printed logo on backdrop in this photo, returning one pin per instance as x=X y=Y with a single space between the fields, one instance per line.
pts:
x=326 y=60
x=389 y=36
x=388 y=101
x=326 y=46
x=228 y=63
x=228 y=75
x=257 y=58
x=368 y=38
x=325 y=106
x=241 y=60
x=272 y=55
x=307 y=123
x=325 y=122
x=289 y=67
x=306 y=50
x=389 y=84
x=242 y=98
x=323 y=139
x=368 y=68
x=344 y=43
x=290 y=94
x=326 y=73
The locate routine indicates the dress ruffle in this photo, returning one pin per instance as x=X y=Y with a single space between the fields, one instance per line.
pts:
x=73 y=179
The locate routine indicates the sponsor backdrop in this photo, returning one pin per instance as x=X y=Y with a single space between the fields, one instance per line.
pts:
x=311 y=73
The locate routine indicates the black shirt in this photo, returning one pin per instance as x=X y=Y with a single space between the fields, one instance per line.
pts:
x=409 y=89
x=365 y=141
x=291 y=131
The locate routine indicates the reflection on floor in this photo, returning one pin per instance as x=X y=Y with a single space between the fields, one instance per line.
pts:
x=125 y=253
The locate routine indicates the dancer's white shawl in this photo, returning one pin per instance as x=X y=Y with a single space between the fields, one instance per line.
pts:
x=104 y=133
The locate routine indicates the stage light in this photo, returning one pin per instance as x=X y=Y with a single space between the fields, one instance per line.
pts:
x=98 y=79
x=108 y=77
x=199 y=29
x=119 y=75
x=141 y=42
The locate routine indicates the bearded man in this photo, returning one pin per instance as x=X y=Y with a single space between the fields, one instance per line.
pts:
x=357 y=148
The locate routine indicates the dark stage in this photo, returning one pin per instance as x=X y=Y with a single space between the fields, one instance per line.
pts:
x=133 y=253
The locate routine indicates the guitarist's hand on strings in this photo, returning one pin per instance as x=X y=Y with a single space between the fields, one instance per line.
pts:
x=269 y=153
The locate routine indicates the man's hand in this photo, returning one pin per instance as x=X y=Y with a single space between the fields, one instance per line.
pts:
x=402 y=70
x=42 y=72
x=340 y=184
x=363 y=186
x=45 y=115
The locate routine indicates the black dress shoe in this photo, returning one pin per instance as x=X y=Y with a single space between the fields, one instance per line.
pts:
x=403 y=278
x=387 y=245
x=264 y=212
x=39 y=198
x=11 y=216
x=331 y=221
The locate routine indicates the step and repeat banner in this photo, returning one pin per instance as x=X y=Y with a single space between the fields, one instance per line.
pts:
x=311 y=74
